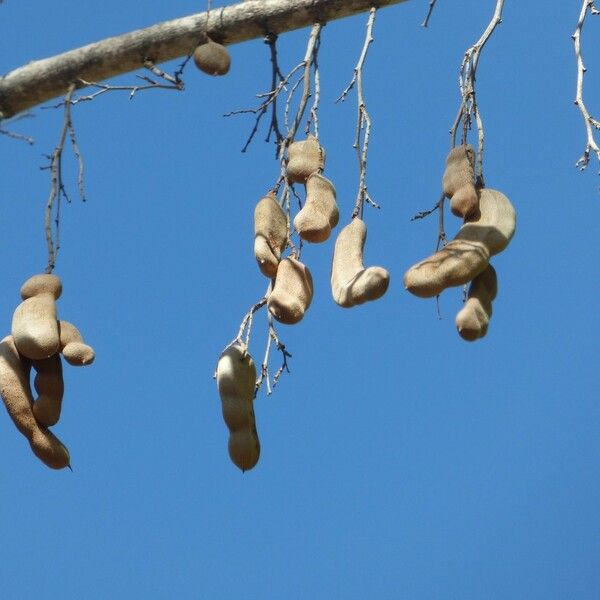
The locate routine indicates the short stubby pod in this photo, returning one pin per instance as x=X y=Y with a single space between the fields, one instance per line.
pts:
x=351 y=282
x=486 y=233
x=50 y=387
x=458 y=181
x=236 y=380
x=305 y=158
x=76 y=352
x=270 y=234
x=473 y=319
x=16 y=394
x=34 y=324
x=212 y=58
x=292 y=292
x=320 y=214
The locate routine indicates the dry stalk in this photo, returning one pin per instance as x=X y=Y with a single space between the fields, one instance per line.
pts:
x=425 y=23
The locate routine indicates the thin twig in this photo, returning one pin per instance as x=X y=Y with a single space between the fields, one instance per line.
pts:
x=429 y=11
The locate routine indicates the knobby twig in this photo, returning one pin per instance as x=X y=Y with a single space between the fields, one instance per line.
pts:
x=272 y=337
x=429 y=12
x=590 y=122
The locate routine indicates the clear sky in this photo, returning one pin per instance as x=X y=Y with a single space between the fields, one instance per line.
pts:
x=398 y=461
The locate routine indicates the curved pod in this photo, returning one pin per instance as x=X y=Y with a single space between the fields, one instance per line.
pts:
x=473 y=319
x=305 y=157
x=292 y=292
x=458 y=181
x=320 y=214
x=49 y=385
x=270 y=234
x=72 y=346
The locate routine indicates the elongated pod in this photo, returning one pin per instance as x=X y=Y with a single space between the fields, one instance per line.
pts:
x=320 y=214
x=292 y=292
x=236 y=378
x=16 y=394
x=72 y=346
x=34 y=325
x=50 y=387
x=305 y=157
x=473 y=319
x=270 y=234
x=458 y=181
x=481 y=236
x=351 y=282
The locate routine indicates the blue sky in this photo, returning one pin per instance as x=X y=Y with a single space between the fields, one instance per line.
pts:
x=397 y=460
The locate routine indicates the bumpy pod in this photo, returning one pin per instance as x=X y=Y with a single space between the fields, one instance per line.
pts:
x=473 y=319
x=305 y=158
x=34 y=324
x=351 y=282
x=458 y=181
x=292 y=292
x=50 y=387
x=270 y=234
x=16 y=394
x=72 y=346
x=236 y=378
x=320 y=214
x=212 y=58
x=481 y=236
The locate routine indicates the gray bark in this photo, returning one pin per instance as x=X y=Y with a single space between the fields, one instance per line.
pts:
x=42 y=80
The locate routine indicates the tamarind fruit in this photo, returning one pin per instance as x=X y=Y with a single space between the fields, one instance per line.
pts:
x=270 y=234
x=50 y=387
x=34 y=324
x=305 y=157
x=72 y=346
x=16 y=394
x=212 y=58
x=351 y=282
x=236 y=380
x=473 y=319
x=292 y=293
x=320 y=214
x=482 y=235
x=458 y=181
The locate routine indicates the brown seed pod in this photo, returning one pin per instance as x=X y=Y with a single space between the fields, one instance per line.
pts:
x=72 y=346
x=320 y=214
x=236 y=380
x=270 y=234
x=458 y=181
x=481 y=236
x=34 y=325
x=473 y=319
x=50 y=387
x=305 y=157
x=292 y=292
x=351 y=282
x=16 y=394
x=212 y=58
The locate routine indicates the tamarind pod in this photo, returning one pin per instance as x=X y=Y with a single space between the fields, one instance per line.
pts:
x=34 y=327
x=236 y=380
x=45 y=283
x=212 y=58
x=16 y=394
x=50 y=387
x=320 y=214
x=351 y=282
x=458 y=181
x=473 y=319
x=305 y=157
x=292 y=292
x=270 y=234
x=72 y=346
x=482 y=235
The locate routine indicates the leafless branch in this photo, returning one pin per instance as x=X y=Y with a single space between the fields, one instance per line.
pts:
x=425 y=23
x=13 y=134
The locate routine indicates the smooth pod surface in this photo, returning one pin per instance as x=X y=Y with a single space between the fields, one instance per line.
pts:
x=473 y=319
x=320 y=213
x=458 y=181
x=35 y=328
x=44 y=283
x=292 y=292
x=270 y=234
x=212 y=58
x=305 y=157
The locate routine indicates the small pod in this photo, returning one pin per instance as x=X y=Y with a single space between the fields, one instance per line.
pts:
x=50 y=387
x=16 y=394
x=351 y=282
x=473 y=319
x=292 y=292
x=305 y=158
x=458 y=181
x=212 y=58
x=320 y=214
x=481 y=236
x=236 y=380
x=72 y=346
x=34 y=325
x=270 y=234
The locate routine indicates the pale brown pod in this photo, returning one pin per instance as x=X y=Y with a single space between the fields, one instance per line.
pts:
x=50 y=387
x=34 y=326
x=270 y=234
x=292 y=292
x=458 y=181
x=16 y=394
x=473 y=319
x=305 y=157
x=320 y=214
x=72 y=346
x=351 y=282
x=481 y=236
x=236 y=380
x=212 y=58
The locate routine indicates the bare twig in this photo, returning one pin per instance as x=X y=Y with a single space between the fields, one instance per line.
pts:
x=13 y=134
x=429 y=12
x=590 y=122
